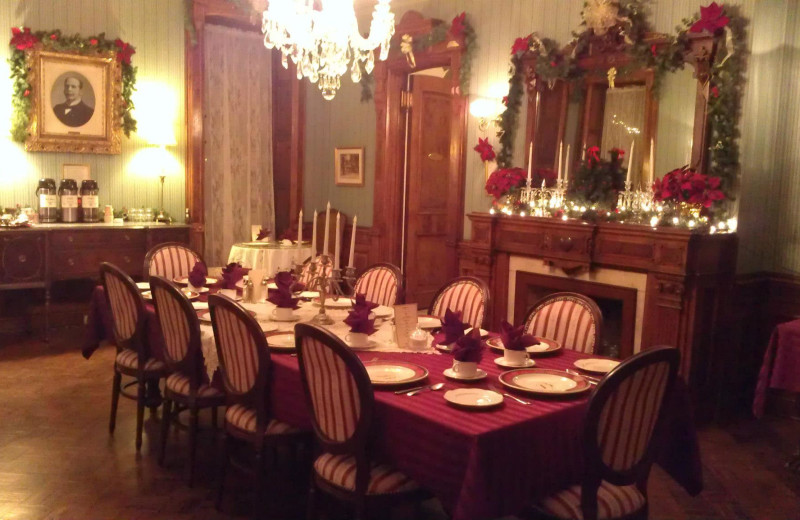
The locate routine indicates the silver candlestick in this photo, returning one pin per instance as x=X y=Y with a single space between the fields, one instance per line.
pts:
x=326 y=281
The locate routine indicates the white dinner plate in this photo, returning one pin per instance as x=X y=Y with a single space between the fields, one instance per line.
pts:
x=143 y=286
x=366 y=346
x=429 y=322
x=452 y=374
x=341 y=303
x=267 y=326
x=282 y=341
x=598 y=366
x=547 y=346
x=544 y=381
x=382 y=311
x=191 y=295
x=309 y=294
x=473 y=397
x=483 y=332
x=503 y=362
x=295 y=317
x=391 y=372
x=200 y=306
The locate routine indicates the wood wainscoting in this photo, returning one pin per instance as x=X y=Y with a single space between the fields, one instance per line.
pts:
x=687 y=292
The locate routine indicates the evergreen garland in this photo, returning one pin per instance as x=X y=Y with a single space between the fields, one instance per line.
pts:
x=24 y=40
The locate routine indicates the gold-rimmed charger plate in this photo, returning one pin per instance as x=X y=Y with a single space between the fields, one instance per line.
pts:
x=394 y=373
x=541 y=381
x=545 y=347
x=281 y=341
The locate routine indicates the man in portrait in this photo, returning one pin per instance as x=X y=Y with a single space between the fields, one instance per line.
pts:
x=73 y=111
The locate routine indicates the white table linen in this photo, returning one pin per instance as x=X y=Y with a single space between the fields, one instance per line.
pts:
x=270 y=258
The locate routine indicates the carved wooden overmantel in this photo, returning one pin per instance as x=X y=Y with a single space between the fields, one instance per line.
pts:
x=690 y=277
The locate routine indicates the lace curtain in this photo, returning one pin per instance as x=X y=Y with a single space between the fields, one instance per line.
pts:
x=623 y=123
x=238 y=139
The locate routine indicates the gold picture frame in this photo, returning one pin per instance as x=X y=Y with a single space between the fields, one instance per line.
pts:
x=349 y=166
x=77 y=101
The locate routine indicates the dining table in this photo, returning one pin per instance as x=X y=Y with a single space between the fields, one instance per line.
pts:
x=480 y=464
x=269 y=257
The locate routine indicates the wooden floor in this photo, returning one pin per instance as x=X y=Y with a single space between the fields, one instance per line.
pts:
x=57 y=460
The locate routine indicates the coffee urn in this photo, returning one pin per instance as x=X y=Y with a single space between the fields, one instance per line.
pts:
x=68 y=197
x=90 y=201
x=48 y=200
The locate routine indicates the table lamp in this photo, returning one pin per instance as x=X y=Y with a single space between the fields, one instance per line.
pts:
x=163 y=160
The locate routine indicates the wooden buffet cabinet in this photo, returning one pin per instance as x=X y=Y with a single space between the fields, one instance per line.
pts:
x=38 y=256
x=687 y=280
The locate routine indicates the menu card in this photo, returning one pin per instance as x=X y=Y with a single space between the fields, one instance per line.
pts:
x=405 y=321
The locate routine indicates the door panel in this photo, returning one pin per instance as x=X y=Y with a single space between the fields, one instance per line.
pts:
x=428 y=262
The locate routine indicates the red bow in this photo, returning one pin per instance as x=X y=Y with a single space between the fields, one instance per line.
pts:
x=594 y=153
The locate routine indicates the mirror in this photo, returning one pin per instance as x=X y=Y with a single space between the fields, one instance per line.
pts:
x=676 y=113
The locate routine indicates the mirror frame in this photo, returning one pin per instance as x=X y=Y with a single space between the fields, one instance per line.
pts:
x=701 y=49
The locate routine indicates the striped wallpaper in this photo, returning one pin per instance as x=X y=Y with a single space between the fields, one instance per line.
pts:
x=156 y=29
x=769 y=214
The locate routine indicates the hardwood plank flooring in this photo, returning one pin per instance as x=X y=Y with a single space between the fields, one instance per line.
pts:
x=57 y=461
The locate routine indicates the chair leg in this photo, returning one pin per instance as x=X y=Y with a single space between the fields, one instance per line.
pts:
x=311 y=511
x=140 y=398
x=361 y=509
x=221 y=486
x=166 y=419
x=115 y=389
x=259 y=480
x=214 y=421
x=193 y=427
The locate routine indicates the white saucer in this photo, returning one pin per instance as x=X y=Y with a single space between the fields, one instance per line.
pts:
x=473 y=398
x=503 y=363
x=428 y=322
x=445 y=348
x=449 y=373
x=267 y=326
x=143 y=286
x=369 y=345
x=382 y=311
x=290 y=320
x=597 y=366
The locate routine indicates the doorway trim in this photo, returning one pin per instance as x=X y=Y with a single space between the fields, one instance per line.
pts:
x=390 y=83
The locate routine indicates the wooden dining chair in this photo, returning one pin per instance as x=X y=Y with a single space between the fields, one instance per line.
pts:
x=339 y=394
x=246 y=372
x=572 y=319
x=186 y=387
x=622 y=420
x=466 y=294
x=382 y=284
x=133 y=359
x=170 y=260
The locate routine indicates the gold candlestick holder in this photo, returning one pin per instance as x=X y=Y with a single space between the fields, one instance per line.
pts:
x=328 y=282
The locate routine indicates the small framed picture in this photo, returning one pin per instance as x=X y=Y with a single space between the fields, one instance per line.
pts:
x=349 y=166
x=79 y=172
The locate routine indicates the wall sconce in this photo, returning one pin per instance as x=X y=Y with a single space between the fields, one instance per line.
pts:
x=487 y=111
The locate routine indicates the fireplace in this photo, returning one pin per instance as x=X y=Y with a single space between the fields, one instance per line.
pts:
x=619 y=294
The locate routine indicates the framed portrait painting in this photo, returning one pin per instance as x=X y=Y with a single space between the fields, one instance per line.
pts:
x=349 y=166
x=74 y=103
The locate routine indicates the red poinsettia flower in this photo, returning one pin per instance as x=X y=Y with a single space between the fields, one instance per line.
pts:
x=505 y=100
x=54 y=36
x=457 y=26
x=686 y=185
x=485 y=149
x=93 y=41
x=715 y=91
x=22 y=38
x=594 y=154
x=502 y=181
x=520 y=45
x=712 y=17
x=26 y=93
x=124 y=51
x=620 y=153
x=653 y=50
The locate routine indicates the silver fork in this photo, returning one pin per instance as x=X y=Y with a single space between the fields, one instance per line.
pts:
x=495 y=388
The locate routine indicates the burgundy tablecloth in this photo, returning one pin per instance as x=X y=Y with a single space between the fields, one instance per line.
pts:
x=781 y=366
x=479 y=464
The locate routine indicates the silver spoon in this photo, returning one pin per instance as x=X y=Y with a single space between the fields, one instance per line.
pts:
x=517 y=399
x=432 y=388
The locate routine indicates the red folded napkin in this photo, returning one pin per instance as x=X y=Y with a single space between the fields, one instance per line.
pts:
x=359 y=321
x=514 y=338
x=282 y=296
x=263 y=233
x=197 y=277
x=361 y=302
x=452 y=328
x=231 y=274
x=469 y=347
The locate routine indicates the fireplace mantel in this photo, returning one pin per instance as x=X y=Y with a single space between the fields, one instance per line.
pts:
x=689 y=276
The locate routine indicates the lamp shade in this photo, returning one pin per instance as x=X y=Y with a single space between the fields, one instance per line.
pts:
x=154 y=161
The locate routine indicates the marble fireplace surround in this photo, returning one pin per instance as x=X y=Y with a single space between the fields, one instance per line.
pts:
x=603 y=275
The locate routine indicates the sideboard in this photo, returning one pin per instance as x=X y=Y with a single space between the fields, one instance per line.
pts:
x=36 y=257
x=677 y=284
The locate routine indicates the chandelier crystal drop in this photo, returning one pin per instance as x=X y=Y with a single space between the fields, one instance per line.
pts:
x=322 y=39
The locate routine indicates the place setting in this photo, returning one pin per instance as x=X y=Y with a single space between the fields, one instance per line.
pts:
x=515 y=347
x=361 y=321
x=283 y=298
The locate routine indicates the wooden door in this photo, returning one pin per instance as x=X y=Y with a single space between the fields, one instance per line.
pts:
x=433 y=213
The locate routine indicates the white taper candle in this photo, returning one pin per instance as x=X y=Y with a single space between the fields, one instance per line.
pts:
x=325 y=250
x=560 y=156
x=300 y=229
x=353 y=243
x=566 y=168
x=630 y=161
x=530 y=163
x=337 y=249
x=652 y=161
x=314 y=236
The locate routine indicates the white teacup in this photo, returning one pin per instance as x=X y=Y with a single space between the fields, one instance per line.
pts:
x=282 y=313
x=356 y=339
x=465 y=368
x=230 y=293
x=515 y=357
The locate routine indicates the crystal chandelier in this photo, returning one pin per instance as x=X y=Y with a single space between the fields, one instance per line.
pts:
x=322 y=39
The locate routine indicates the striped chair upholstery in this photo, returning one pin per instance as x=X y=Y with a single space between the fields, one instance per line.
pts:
x=380 y=284
x=245 y=419
x=305 y=273
x=129 y=359
x=237 y=350
x=123 y=307
x=173 y=324
x=618 y=430
x=180 y=384
x=170 y=260
x=334 y=395
x=465 y=294
x=340 y=470
x=569 y=318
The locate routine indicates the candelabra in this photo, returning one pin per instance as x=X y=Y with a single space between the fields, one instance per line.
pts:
x=328 y=282
x=636 y=201
x=543 y=200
